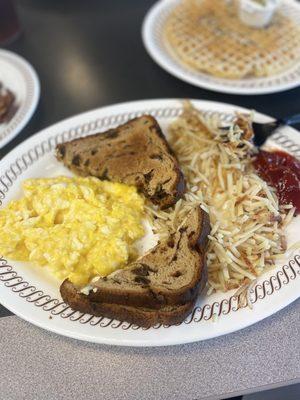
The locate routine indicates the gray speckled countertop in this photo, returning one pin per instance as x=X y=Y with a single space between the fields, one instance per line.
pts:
x=36 y=364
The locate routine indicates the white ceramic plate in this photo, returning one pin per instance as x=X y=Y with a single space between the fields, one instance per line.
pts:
x=18 y=75
x=34 y=295
x=153 y=41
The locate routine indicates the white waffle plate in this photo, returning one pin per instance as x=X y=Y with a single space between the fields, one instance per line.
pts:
x=31 y=293
x=19 y=76
x=152 y=34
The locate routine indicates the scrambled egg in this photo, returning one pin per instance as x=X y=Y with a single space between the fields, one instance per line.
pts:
x=79 y=227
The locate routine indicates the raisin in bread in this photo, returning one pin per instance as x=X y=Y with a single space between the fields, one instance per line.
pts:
x=135 y=153
x=141 y=316
x=160 y=287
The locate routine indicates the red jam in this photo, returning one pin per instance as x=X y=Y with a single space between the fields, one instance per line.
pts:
x=282 y=171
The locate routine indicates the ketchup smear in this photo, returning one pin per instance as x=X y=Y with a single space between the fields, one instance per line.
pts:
x=282 y=171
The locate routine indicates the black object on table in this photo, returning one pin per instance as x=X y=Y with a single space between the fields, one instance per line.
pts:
x=90 y=54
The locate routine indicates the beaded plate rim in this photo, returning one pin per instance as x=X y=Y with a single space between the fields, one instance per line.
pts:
x=37 y=297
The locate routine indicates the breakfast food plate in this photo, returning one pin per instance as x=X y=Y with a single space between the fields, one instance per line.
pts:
x=189 y=52
x=19 y=77
x=33 y=293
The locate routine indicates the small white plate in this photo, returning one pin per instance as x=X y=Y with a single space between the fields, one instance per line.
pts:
x=152 y=34
x=19 y=76
x=31 y=293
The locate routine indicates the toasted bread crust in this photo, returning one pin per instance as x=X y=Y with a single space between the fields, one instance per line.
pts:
x=138 y=292
x=204 y=230
x=135 y=315
x=134 y=153
x=191 y=238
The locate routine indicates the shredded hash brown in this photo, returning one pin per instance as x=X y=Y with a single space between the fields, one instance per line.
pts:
x=246 y=219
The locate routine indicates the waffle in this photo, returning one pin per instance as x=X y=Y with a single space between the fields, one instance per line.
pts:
x=208 y=36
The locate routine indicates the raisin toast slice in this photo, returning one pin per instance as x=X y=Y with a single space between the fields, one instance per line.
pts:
x=135 y=153
x=141 y=316
x=171 y=274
